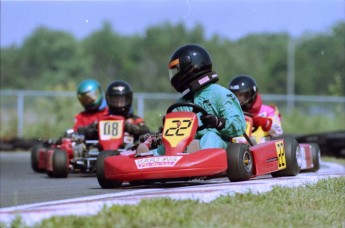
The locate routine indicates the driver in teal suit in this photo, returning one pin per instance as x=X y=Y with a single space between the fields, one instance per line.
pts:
x=190 y=72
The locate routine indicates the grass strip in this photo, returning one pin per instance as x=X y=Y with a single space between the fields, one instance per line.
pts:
x=313 y=205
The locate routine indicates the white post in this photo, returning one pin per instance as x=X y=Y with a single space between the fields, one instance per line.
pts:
x=290 y=103
x=20 y=115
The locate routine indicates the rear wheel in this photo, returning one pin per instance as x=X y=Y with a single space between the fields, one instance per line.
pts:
x=316 y=156
x=240 y=162
x=35 y=157
x=293 y=158
x=103 y=182
x=60 y=164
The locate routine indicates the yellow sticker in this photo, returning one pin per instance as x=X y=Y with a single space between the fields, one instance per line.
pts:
x=281 y=155
x=177 y=129
x=110 y=129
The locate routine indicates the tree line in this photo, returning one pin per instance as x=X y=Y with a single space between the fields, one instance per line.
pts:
x=56 y=60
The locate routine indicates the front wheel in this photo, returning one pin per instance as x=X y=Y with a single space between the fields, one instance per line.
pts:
x=240 y=162
x=103 y=182
x=293 y=158
x=60 y=164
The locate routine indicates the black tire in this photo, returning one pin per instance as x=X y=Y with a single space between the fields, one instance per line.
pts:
x=240 y=162
x=50 y=174
x=35 y=158
x=292 y=157
x=60 y=164
x=316 y=155
x=103 y=182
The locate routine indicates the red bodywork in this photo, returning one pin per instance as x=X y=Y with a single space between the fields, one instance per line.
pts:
x=179 y=130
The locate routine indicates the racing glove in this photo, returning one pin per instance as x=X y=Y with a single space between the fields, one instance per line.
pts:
x=90 y=131
x=264 y=122
x=132 y=128
x=212 y=121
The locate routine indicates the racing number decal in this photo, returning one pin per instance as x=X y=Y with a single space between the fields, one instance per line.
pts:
x=177 y=129
x=281 y=155
x=110 y=129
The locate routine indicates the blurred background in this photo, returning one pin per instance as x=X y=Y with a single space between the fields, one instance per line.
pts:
x=295 y=49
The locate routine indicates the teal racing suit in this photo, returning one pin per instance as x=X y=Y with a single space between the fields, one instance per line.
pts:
x=219 y=101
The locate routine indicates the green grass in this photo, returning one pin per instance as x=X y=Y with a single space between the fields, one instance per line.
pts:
x=299 y=123
x=313 y=205
x=333 y=159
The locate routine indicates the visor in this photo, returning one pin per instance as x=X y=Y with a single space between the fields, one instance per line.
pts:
x=176 y=65
x=174 y=68
x=243 y=97
x=89 y=98
x=119 y=101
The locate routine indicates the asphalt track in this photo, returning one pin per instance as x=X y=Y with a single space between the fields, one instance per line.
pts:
x=36 y=196
x=19 y=184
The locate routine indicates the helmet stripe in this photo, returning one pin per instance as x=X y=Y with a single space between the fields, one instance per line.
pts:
x=174 y=63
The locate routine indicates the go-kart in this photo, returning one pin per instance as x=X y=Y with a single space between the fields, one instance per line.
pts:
x=310 y=154
x=183 y=161
x=77 y=154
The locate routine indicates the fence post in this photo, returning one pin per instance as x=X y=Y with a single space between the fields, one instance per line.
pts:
x=20 y=114
x=140 y=105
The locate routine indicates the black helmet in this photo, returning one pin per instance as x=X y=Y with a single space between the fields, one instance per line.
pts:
x=244 y=87
x=90 y=96
x=119 y=97
x=187 y=64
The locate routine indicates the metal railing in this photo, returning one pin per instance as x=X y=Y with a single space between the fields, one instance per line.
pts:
x=322 y=104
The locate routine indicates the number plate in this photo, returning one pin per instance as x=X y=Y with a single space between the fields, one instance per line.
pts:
x=281 y=155
x=110 y=129
x=177 y=129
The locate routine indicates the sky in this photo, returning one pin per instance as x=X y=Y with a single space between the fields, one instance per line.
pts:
x=230 y=19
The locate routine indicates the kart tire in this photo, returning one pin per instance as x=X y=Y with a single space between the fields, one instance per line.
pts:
x=240 y=162
x=35 y=157
x=293 y=158
x=316 y=156
x=60 y=164
x=103 y=182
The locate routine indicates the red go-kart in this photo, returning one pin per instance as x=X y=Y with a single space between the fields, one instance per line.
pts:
x=308 y=153
x=238 y=162
x=74 y=153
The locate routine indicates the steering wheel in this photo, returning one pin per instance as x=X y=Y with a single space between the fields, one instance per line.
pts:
x=195 y=108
